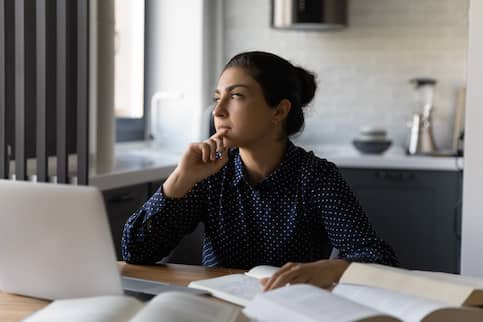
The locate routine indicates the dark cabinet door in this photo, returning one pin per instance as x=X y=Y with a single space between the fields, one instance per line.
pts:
x=189 y=249
x=416 y=212
x=121 y=203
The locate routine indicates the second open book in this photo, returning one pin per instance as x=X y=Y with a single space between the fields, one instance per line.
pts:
x=164 y=307
x=366 y=292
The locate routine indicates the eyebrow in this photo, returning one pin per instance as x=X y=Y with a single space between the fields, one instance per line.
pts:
x=231 y=87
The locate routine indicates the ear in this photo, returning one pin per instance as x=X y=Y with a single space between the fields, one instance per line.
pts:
x=281 y=111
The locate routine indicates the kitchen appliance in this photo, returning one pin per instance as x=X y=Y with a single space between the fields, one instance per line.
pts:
x=421 y=138
x=309 y=14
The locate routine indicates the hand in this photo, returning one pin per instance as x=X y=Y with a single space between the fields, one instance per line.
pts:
x=323 y=273
x=197 y=163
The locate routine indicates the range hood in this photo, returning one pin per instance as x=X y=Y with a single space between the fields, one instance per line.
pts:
x=309 y=14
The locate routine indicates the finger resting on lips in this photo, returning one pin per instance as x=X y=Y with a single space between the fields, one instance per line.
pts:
x=219 y=145
x=212 y=144
x=212 y=150
x=205 y=151
x=219 y=134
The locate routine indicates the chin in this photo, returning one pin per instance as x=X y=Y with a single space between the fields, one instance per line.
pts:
x=228 y=142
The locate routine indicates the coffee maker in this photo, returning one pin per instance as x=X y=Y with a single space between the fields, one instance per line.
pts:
x=421 y=139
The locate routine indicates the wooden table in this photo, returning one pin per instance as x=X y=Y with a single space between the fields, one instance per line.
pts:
x=15 y=307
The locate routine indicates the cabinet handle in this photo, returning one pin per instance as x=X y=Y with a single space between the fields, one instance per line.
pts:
x=121 y=198
x=394 y=176
x=457 y=220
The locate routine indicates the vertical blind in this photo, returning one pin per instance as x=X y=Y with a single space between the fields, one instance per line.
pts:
x=44 y=89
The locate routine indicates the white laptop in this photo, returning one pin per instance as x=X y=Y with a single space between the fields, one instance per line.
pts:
x=55 y=243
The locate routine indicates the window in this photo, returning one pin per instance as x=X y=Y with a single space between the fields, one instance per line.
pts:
x=129 y=70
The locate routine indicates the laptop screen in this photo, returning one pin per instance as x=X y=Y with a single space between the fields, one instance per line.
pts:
x=55 y=241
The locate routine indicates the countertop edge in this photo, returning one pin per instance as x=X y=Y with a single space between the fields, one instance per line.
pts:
x=416 y=163
x=129 y=178
x=161 y=168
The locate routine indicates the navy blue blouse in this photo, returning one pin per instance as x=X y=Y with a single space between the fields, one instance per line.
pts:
x=297 y=214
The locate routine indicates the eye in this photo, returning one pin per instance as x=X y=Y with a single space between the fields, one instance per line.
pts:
x=216 y=99
x=236 y=95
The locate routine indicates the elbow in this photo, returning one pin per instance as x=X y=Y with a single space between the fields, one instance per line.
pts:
x=140 y=253
x=137 y=258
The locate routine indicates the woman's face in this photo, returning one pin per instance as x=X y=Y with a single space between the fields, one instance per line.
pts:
x=241 y=109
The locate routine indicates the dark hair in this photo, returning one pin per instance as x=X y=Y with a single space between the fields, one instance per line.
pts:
x=279 y=80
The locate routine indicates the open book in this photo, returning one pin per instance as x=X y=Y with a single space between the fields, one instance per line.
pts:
x=165 y=307
x=346 y=302
x=452 y=289
x=366 y=292
x=236 y=288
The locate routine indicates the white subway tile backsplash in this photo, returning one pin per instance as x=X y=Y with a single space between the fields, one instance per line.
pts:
x=363 y=70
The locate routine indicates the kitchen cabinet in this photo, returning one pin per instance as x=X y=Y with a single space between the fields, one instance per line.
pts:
x=418 y=212
x=120 y=204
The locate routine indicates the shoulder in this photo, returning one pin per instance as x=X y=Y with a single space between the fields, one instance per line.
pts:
x=314 y=165
x=319 y=174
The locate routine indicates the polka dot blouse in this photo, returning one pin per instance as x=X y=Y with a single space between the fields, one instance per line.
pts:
x=297 y=214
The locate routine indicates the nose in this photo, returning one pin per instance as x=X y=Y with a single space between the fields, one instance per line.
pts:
x=220 y=109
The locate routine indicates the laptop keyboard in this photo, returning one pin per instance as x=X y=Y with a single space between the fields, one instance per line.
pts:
x=145 y=290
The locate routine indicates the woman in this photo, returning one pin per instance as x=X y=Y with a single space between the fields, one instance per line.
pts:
x=262 y=199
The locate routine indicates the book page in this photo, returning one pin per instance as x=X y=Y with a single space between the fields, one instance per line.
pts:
x=405 y=307
x=262 y=271
x=303 y=302
x=101 y=308
x=182 y=307
x=235 y=288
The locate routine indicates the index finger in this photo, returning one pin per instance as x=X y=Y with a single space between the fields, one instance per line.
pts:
x=285 y=268
x=283 y=280
x=218 y=134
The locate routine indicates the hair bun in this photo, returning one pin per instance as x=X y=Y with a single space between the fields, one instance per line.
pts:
x=307 y=85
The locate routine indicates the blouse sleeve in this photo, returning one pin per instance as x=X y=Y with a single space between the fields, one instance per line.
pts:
x=158 y=226
x=344 y=219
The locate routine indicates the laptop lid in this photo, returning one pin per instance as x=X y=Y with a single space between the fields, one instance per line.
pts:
x=55 y=241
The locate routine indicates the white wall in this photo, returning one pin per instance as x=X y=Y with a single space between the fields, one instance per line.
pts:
x=364 y=70
x=175 y=68
x=184 y=62
x=472 y=225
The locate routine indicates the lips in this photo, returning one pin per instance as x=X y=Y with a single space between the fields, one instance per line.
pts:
x=223 y=127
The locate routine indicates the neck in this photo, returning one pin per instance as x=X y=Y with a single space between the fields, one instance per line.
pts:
x=261 y=159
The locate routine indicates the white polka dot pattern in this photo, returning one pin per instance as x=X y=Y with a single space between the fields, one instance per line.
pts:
x=298 y=213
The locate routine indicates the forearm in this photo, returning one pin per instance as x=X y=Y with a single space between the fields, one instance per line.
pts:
x=141 y=244
x=156 y=228
x=177 y=185
x=356 y=240
x=338 y=267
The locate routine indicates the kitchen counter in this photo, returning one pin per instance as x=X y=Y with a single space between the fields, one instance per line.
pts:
x=136 y=163
x=143 y=162
x=346 y=156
